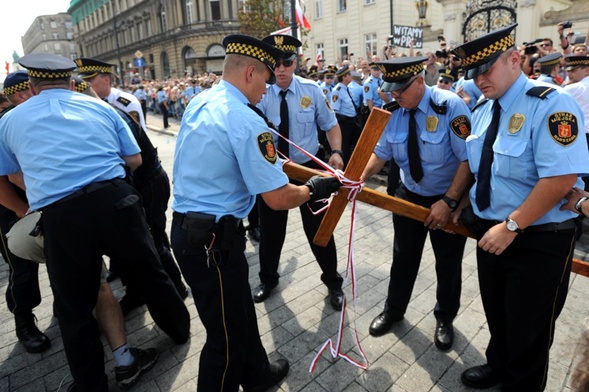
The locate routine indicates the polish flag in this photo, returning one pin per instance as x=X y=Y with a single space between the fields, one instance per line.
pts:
x=301 y=20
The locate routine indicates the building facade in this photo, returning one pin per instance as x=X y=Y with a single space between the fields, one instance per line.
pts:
x=162 y=39
x=51 y=34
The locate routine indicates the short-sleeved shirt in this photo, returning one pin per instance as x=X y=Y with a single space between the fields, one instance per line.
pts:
x=371 y=86
x=224 y=155
x=308 y=109
x=357 y=92
x=62 y=141
x=128 y=103
x=342 y=102
x=537 y=138
x=441 y=140
x=580 y=92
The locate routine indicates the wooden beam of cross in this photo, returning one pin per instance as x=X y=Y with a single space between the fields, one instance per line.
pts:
x=374 y=127
x=402 y=207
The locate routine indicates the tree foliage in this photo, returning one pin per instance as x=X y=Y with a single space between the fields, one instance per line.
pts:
x=259 y=18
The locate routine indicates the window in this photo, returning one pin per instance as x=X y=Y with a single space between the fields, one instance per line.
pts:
x=163 y=19
x=342 y=5
x=318 y=9
x=56 y=46
x=148 y=25
x=215 y=10
x=343 y=48
x=68 y=25
x=371 y=43
x=72 y=47
x=244 y=6
x=44 y=37
x=42 y=26
x=189 y=17
x=55 y=35
x=368 y=2
x=140 y=30
x=319 y=50
x=53 y=25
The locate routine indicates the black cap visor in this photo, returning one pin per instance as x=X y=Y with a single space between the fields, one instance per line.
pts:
x=387 y=87
x=476 y=71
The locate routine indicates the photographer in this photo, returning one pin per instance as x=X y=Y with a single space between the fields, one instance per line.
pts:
x=564 y=41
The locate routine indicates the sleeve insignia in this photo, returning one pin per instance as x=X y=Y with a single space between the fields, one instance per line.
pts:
x=461 y=126
x=135 y=116
x=563 y=127
x=324 y=91
x=306 y=102
x=366 y=89
x=266 y=146
x=334 y=98
x=124 y=101
x=328 y=105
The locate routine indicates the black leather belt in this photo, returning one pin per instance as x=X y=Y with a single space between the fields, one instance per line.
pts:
x=566 y=225
x=179 y=219
x=92 y=187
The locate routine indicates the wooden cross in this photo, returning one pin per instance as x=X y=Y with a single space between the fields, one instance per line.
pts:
x=362 y=152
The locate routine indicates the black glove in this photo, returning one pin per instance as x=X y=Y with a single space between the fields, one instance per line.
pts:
x=322 y=187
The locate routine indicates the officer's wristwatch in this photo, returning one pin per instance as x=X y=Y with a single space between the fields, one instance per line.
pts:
x=451 y=202
x=512 y=225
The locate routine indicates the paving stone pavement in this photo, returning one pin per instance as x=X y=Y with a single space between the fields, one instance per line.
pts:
x=297 y=319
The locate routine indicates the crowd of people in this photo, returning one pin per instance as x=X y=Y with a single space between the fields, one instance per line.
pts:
x=481 y=134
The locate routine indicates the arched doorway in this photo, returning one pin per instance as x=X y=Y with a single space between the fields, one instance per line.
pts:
x=484 y=16
x=165 y=63
x=189 y=56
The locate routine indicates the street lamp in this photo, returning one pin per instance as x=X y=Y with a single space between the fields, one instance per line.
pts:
x=421 y=6
x=120 y=62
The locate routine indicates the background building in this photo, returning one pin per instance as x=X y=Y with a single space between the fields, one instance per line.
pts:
x=51 y=34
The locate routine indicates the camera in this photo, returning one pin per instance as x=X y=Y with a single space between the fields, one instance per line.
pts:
x=567 y=24
x=530 y=47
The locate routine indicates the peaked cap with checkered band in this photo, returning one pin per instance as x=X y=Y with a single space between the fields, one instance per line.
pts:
x=287 y=43
x=88 y=68
x=47 y=66
x=571 y=62
x=480 y=54
x=397 y=71
x=16 y=81
x=246 y=45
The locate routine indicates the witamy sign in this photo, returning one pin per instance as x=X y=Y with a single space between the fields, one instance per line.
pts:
x=402 y=36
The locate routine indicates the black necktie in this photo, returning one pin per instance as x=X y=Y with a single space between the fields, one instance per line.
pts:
x=283 y=127
x=413 y=149
x=483 y=195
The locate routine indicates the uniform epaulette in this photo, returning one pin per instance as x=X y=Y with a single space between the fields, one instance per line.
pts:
x=439 y=109
x=540 y=91
x=391 y=106
x=479 y=103
x=124 y=101
x=338 y=87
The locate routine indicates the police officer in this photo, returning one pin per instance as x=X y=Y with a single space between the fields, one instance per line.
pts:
x=426 y=138
x=526 y=153
x=371 y=88
x=141 y=96
x=209 y=200
x=22 y=291
x=327 y=84
x=88 y=209
x=307 y=110
x=101 y=76
x=346 y=111
x=550 y=68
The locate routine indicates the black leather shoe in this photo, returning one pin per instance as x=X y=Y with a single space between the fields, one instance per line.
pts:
x=263 y=291
x=29 y=335
x=130 y=302
x=255 y=233
x=382 y=324
x=480 y=377
x=276 y=371
x=336 y=298
x=444 y=336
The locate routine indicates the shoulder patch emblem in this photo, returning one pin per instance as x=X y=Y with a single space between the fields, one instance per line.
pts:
x=306 y=102
x=135 y=116
x=124 y=101
x=324 y=91
x=328 y=105
x=366 y=89
x=334 y=98
x=266 y=146
x=461 y=126
x=563 y=127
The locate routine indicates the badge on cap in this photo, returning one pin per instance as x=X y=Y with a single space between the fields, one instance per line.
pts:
x=563 y=127
x=266 y=146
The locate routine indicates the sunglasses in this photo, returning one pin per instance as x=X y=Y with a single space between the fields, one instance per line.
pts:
x=399 y=92
x=286 y=63
x=444 y=81
x=328 y=77
x=455 y=58
x=543 y=45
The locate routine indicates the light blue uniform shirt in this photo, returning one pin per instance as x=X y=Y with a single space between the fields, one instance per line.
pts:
x=62 y=141
x=161 y=96
x=371 y=86
x=341 y=101
x=441 y=141
x=547 y=79
x=327 y=89
x=223 y=156
x=357 y=92
x=140 y=94
x=307 y=109
x=471 y=89
x=537 y=138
